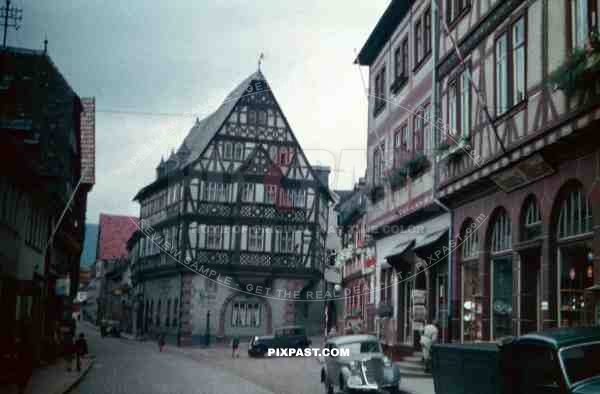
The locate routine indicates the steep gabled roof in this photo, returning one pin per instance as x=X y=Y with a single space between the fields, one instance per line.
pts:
x=113 y=234
x=203 y=131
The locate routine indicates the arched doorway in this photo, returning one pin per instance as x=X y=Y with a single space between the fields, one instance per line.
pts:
x=501 y=275
x=574 y=269
x=471 y=289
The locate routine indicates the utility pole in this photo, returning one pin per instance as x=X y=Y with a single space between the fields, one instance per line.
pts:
x=11 y=17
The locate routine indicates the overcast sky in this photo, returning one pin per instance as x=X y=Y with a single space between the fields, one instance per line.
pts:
x=143 y=58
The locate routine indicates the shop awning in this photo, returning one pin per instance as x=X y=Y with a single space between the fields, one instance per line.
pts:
x=394 y=258
x=429 y=244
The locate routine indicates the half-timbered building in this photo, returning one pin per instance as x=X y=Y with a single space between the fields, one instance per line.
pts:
x=520 y=98
x=403 y=216
x=238 y=198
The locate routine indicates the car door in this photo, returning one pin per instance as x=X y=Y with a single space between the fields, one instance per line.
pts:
x=537 y=371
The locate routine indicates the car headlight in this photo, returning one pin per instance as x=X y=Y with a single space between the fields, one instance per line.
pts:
x=354 y=366
x=387 y=362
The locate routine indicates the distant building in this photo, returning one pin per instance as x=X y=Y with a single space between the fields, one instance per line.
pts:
x=102 y=300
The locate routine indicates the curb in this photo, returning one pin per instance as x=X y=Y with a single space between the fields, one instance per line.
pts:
x=72 y=385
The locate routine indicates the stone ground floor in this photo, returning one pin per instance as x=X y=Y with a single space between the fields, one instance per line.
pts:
x=189 y=306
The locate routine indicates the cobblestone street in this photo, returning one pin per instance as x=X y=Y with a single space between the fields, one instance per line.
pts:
x=125 y=366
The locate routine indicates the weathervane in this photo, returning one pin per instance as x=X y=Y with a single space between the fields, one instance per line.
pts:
x=11 y=17
x=261 y=57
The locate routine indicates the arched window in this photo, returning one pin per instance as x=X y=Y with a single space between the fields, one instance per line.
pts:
x=470 y=241
x=575 y=216
x=501 y=275
x=501 y=234
x=532 y=219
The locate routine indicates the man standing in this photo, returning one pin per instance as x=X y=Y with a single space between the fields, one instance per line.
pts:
x=428 y=338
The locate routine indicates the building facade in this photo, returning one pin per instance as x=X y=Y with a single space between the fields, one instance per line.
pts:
x=521 y=165
x=43 y=124
x=409 y=226
x=240 y=199
x=357 y=258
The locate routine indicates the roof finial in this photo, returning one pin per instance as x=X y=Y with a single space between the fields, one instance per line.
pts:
x=45 y=43
x=261 y=57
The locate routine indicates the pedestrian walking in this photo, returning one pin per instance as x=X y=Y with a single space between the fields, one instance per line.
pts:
x=235 y=345
x=161 y=341
x=81 y=349
x=428 y=338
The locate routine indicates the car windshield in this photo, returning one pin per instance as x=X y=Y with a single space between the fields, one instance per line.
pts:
x=581 y=362
x=355 y=348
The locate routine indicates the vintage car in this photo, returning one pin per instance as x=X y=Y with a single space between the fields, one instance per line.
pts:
x=290 y=337
x=365 y=368
x=565 y=361
x=110 y=327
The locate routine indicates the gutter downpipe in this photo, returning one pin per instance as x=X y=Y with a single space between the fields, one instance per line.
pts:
x=435 y=98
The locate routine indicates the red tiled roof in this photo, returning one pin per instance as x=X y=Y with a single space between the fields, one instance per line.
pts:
x=114 y=232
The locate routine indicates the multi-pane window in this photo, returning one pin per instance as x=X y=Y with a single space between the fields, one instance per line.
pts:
x=418 y=41
x=404 y=47
x=452 y=110
x=406 y=139
x=459 y=105
x=214 y=237
x=379 y=99
x=501 y=234
x=270 y=196
x=518 y=41
x=270 y=118
x=510 y=65
x=262 y=118
x=397 y=147
x=256 y=238
x=244 y=314
x=584 y=20
x=216 y=192
x=285 y=241
x=251 y=116
x=455 y=8
x=470 y=242
x=248 y=192
x=427 y=32
x=532 y=225
x=398 y=62
x=465 y=103
x=428 y=130
x=228 y=151
x=378 y=162
x=418 y=133
x=297 y=196
x=238 y=152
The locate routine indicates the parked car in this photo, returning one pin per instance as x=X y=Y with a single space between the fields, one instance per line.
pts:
x=365 y=368
x=290 y=337
x=565 y=361
x=110 y=327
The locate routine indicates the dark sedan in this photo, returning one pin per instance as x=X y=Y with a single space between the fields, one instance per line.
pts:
x=291 y=337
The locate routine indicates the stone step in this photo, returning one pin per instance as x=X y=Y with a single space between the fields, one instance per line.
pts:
x=413 y=359
x=410 y=366
x=413 y=373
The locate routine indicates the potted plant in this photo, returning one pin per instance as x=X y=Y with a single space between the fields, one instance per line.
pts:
x=581 y=68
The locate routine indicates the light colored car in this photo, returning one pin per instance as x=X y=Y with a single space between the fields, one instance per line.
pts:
x=365 y=368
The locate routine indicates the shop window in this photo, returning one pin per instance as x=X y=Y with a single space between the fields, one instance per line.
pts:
x=244 y=314
x=502 y=278
x=532 y=219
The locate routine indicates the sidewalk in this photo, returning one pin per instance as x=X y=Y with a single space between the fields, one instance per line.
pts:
x=53 y=379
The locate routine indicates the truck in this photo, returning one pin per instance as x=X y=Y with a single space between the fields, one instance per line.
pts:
x=556 y=361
